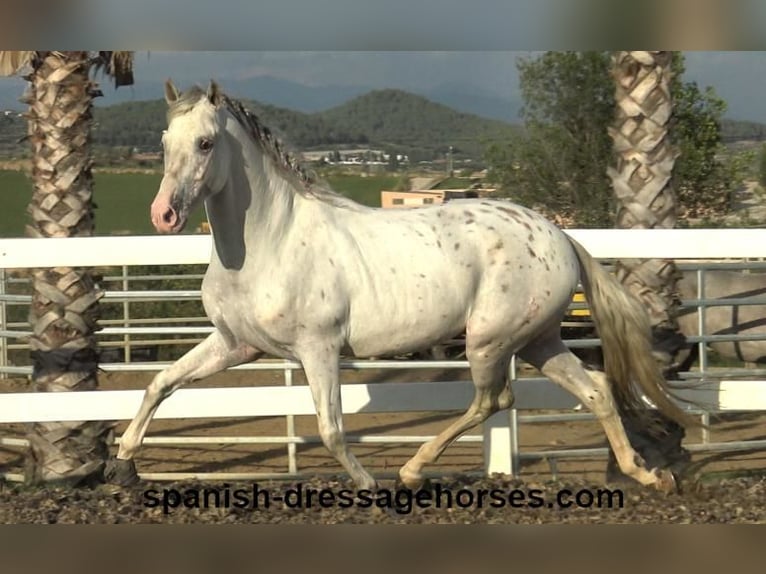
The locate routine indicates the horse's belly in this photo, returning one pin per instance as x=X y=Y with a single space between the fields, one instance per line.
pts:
x=390 y=330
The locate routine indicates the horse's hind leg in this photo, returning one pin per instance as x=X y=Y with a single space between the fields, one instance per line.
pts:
x=489 y=370
x=209 y=357
x=556 y=362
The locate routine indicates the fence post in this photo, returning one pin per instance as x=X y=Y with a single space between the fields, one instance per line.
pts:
x=3 y=327
x=501 y=440
x=701 y=327
x=292 y=461
x=126 y=313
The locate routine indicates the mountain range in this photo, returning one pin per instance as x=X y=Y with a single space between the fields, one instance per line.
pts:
x=301 y=97
x=394 y=120
x=388 y=119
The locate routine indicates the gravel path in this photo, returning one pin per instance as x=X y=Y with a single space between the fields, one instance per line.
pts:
x=739 y=500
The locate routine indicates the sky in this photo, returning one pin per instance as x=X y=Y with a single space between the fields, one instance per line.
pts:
x=738 y=77
x=492 y=72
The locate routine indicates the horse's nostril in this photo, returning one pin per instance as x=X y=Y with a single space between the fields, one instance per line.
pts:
x=169 y=216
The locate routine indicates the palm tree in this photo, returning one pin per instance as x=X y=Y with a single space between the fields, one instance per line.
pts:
x=64 y=309
x=641 y=179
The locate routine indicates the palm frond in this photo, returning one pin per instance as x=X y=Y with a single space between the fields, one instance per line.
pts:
x=117 y=65
x=12 y=62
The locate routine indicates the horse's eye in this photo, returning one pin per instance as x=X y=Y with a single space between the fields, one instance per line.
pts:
x=205 y=144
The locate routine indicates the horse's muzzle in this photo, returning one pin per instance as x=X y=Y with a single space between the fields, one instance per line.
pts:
x=165 y=218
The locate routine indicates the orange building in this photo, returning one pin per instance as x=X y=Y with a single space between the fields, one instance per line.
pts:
x=396 y=199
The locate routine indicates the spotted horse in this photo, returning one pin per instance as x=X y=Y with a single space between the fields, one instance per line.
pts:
x=301 y=272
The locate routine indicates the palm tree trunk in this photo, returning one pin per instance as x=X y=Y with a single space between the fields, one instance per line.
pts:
x=642 y=175
x=641 y=180
x=65 y=308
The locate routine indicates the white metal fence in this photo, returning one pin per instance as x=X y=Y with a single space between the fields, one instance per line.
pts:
x=500 y=434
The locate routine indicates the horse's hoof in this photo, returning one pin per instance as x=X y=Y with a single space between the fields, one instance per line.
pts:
x=121 y=472
x=410 y=480
x=419 y=484
x=666 y=482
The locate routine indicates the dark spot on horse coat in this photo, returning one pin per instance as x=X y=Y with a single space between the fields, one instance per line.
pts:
x=512 y=212
x=323 y=294
x=504 y=288
x=331 y=261
x=457 y=246
x=531 y=252
x=438 y=244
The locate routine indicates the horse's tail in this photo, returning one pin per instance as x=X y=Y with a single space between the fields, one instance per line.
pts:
x=625 y=332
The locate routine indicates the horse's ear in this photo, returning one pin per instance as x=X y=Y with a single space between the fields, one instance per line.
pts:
x=171 y=92
x=214 y=93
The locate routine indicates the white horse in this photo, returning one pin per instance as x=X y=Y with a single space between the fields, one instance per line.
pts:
x=303 y=273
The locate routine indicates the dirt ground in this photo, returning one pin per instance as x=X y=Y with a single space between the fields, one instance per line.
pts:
x=722 y=487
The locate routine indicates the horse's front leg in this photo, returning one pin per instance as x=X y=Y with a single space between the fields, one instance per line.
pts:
x=322 y=370
x=207 y=358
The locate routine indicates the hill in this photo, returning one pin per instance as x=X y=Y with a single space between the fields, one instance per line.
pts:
x=390 y=119
x=397 y=119
x=736 y=130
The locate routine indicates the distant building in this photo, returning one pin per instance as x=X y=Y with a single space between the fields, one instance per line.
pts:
x=397 y=199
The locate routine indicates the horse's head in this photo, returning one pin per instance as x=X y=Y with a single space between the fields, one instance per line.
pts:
x=195 y=155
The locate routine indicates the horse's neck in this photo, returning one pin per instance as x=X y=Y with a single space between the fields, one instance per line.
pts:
x=253 y=213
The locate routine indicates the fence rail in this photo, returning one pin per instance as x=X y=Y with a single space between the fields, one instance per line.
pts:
x=500 y=433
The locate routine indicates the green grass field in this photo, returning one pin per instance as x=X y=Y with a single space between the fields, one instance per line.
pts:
x=123 y=200
x=365 y=190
